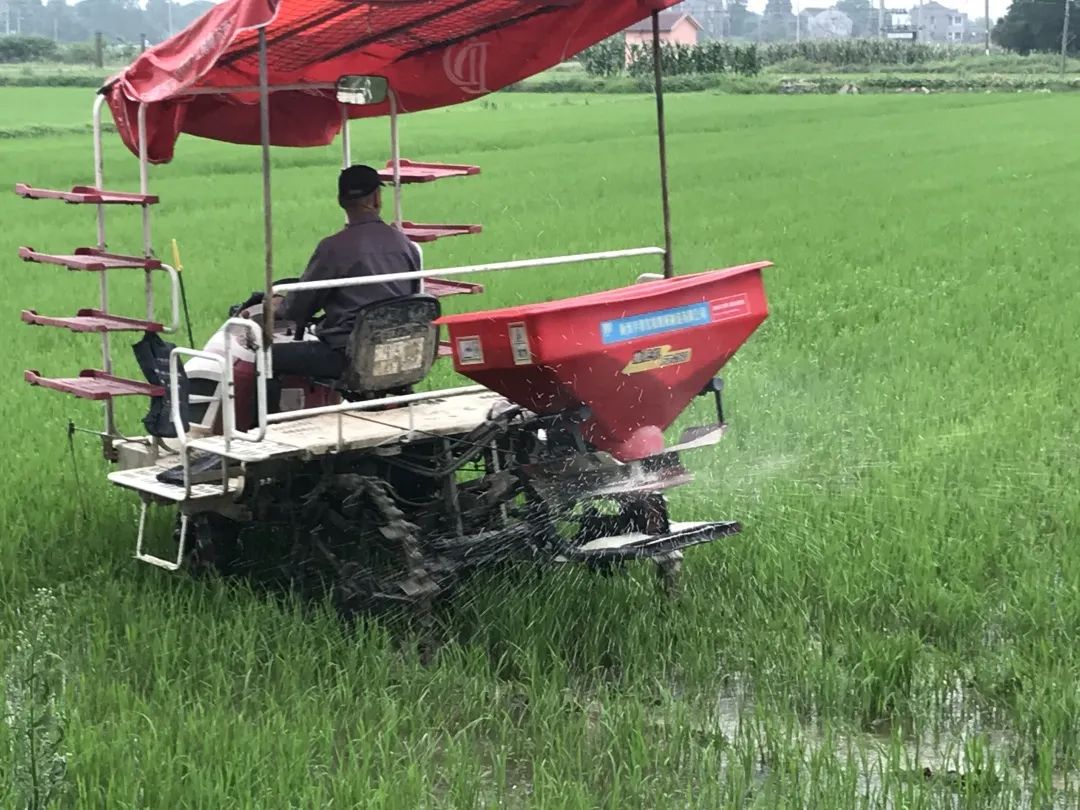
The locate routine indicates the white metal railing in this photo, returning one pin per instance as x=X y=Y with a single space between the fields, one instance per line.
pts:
x=227 y=388
x=462 y=270
x=174 y=298
x=226 y=395
x=229 y=394
x=520 y=264
x=345 y=407
x=175 y=413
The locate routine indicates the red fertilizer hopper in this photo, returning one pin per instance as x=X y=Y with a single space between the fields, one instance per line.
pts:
x=635 y=356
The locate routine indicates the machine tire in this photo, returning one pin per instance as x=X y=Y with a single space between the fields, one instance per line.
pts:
x=213 y=546
x=362 y=547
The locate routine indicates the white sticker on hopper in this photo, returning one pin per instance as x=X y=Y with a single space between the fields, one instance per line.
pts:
x=470 y=351
x=519 y=344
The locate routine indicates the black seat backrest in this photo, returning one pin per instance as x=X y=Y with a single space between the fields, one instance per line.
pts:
x=393 y=344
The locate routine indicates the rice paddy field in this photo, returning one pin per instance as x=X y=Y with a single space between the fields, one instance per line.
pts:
x=894 y=628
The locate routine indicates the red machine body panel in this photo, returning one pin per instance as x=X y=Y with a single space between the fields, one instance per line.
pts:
x=293 y=388
x=636 y=356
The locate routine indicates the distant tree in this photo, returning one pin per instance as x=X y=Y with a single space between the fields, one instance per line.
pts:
x=739 y=19
x=185 y=15
x=159 y=22
x=118 y=20
x=778 y=23
x=863 y=17
x=26 y=17
x=64 y=26
x=1033 y=25
x=17 y=49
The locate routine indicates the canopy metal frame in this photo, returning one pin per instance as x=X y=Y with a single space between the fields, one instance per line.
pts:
x=264 y=90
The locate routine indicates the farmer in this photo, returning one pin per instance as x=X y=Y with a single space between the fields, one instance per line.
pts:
x=366 y=246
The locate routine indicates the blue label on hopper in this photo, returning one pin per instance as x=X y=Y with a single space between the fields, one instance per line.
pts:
x=655 y=323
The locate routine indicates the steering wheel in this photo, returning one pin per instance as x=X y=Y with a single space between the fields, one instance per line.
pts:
x=313 y=321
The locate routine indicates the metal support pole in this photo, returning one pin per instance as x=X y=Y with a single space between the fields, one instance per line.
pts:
x=987 y=27
x=659 y=88
x=268 y=235
x=1065 y=37
x=103 y=284
x=99 y=168
x=144 y=188
x=346 y=139
x=395 y=156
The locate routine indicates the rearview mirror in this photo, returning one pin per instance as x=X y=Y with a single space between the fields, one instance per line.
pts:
x=361 y=90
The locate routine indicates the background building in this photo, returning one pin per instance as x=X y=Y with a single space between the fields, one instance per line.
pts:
x=935 y=22
x=676 y=28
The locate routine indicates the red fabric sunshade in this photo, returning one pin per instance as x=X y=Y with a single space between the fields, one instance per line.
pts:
x=433 y=52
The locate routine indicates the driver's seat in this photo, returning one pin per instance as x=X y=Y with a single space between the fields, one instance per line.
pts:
x=393 y=345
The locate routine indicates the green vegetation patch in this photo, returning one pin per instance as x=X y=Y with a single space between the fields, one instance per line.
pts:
x=895 y=626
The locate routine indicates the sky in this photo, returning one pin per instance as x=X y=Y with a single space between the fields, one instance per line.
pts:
x=974 y=8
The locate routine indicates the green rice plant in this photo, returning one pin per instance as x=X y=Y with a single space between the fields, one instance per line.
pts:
x=33 y=681
x=893 y=627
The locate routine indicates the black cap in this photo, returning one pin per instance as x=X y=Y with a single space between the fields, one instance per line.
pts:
x=357 y=181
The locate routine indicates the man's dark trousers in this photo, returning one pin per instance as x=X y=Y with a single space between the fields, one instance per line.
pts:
x=305 y=358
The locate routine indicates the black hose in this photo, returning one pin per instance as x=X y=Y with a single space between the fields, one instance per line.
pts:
x=187 y=315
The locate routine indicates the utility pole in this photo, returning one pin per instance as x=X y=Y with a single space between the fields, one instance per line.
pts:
x=1065 y=37
x=881 y=19
x=658 y=89
x=798 y=23
x=99 y=49
x=987 y=27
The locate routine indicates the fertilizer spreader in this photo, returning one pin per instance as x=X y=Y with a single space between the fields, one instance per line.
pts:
x=361 y=485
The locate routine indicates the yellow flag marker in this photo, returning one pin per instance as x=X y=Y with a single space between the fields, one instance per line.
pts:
x=183 y=292
x=176 y=257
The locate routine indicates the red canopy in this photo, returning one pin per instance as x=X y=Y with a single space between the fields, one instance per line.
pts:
x=433 y=53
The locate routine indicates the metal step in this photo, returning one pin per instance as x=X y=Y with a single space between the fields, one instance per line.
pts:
x=413 y=171
x=144 y=480
x=639 y=546
x=92 y=320
x=91 y=259
x=442 y=287
x=85 y=195
x=429 y=233
x=94 y=384
x=240 y=450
